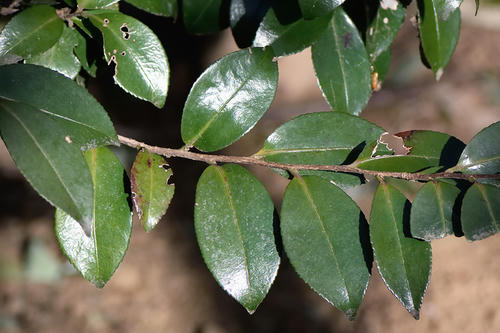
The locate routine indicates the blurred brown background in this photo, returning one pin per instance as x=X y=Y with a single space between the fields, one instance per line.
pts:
x=163 y=285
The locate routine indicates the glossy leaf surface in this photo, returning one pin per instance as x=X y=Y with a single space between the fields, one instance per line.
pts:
x=432 y=211
x=403 y=262
x=70 y=105
x=229 y=98
x=60 y=56
x=481 y=211
x=98 y=255
x=341 y=65
x=141 y=65
x=321 y=228
x=315 y=8
x=438 y=38
x=30 y=32
x=205 y=16
x=234 y=226
x=52 y=165
x=151 y=191
x=166 y=8
x=245 y=17
x=95 y=4
x=445 y=7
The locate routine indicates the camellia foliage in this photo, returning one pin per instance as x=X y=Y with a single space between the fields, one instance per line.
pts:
x=58 y=134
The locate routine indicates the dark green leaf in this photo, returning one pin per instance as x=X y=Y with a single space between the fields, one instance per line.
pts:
x=81 y=116
x=229 y=98
x=439 y=38
x=482 y=154
x=95 y=4
x=60 y=56
x=481 y=211
x=205 y=16
x=341 y=65
x=293 y=37
x=397 y=163
x=52 y=164
x=380 y=68
x=432 y=211
x=403 y=262
x=245 y=17
x=98 y=255
x=141 y=65
x=445 y=7
x=321 y=228
x=166 y=8
x=30 y=32
x=81 y=53
x=234 y=226
x=315 y=8
x=151 y=191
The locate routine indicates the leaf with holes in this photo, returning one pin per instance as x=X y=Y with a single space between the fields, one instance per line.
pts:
x=481 y=211
x=53 y=165
x=84 y=120
x=229 y=98
x=31 y=32
x=205 y=16
x=403 y=262
x=325 y=235
x=341 y=65
x=151 y=191
x=233 y=218
x=315 y=8
x=141 y=66
x=95 y=4
x=97 y=256
x=166 y=8
x=438 y=38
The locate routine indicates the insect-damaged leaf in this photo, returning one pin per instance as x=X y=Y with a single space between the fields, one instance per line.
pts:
x=141 y=65
x=325 y=236
x=98 y=255
x=481 y=211
x=95 y=4
x=151 y=191
x=315 y=8
x=341 y=65
x=52 y=164
x=229 y=98
x=30 y=32
x=233 y=217
x=403 y=262
x=166 y=8
x=205 y=16
x=71 y=106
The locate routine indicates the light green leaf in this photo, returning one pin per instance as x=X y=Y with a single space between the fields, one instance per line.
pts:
x=432 y=211
x=481 y=211
x=30 y=32
x=321 y=228
x=98 y=255
x=141 y=65
x=205 y=16
x=151 y=191
x=53 y=165
x=95 y=4
x=438 y=38
x=445 y=7
x=166 y=8
x=229 y=98
x=403 y=262
x=341 y=65
x=315 y=8
x=71 y=106
x=60 y=56
x=233 y=217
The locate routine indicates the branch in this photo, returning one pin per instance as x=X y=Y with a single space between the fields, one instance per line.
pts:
x=214 y=159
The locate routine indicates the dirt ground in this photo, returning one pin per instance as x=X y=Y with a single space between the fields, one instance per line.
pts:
x=163 y=285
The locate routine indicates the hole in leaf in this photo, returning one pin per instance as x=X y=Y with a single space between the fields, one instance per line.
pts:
x=105 y=22
x=123 y=53
x=125 y=31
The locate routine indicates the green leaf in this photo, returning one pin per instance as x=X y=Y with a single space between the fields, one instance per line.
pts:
x=229 y=98
x=481 y=211
x=81 y=53
x=205 y=16
x=141 y=65
x=166 y=8
x=73 y=108
x=98 y=255
x=245 y=17
x=30 y=32
x=315 y=8
x=233 y=217
x=445 y=7
x=438 y=38
x=321 y=228
x=151 y=191
x=381 y=67
x=341 y=65
x=397 y=163
x=95 y=4
x=53 y=165
x=289 y=38
x=432 y=211
x=482 y=154
x=404 y=263
x=60 y=56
